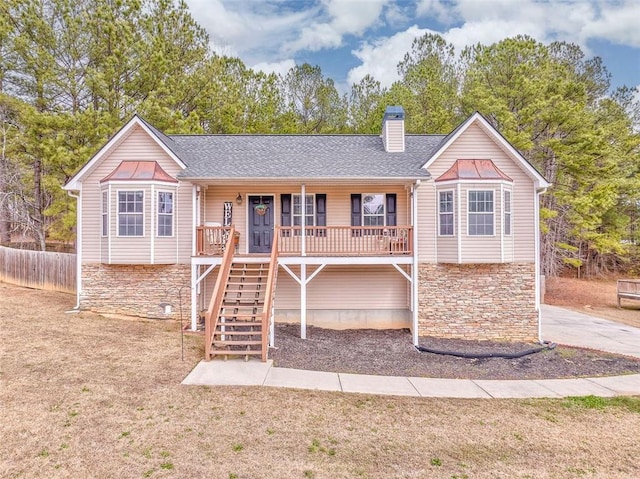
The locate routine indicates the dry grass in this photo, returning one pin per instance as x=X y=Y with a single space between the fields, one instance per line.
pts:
x=87 y=396
x=597 y=297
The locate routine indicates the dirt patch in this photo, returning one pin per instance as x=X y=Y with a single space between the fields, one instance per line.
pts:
x=391 y=353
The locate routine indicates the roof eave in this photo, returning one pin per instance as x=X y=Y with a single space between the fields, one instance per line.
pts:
x=303 y=179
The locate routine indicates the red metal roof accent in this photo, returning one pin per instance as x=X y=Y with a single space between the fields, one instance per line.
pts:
x=473 y=170
x=139 y=171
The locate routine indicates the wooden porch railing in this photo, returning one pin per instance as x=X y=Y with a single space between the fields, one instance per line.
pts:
x=211 y=316
x=267 y=309
x=319 y=240
x=346 y=240
x=211 y=240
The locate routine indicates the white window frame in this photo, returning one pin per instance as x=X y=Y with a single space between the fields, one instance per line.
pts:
x=105 y=213
x=298 y=216
x=141 y=213
x=507 y=212
x=480 y=214
x=383 y=214
x=161 y=214
x=447 y=213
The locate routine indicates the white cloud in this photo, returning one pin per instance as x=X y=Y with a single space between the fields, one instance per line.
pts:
x=380 y=57
x=437 y=9
x=487 y=22
x=343 y=18
x=270 y=34
x=618 y=23
x=279 y=68
x=255 y=31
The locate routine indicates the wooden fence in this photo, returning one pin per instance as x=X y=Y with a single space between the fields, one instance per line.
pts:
x=38 y=269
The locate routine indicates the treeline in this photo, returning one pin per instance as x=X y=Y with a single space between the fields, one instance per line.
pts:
x=73 y=71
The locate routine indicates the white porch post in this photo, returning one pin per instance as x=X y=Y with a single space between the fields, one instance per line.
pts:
x=414 y=266
x=303 y=300
x=194 y=297
x=303 y=220
x=303 y=266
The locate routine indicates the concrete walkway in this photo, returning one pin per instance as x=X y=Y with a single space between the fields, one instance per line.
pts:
x=558 y=325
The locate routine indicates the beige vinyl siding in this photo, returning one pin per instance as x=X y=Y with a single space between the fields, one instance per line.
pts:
x=336 y=287
x=427 y=222
x=136 y=146
x=474 y=143
x=345 y=287
x=338 y=203
x=394 y=135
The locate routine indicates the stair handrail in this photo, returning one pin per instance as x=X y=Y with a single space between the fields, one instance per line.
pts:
x=218 y=294
x=269 y=293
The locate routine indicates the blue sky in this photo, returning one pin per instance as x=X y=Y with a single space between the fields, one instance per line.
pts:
x=350 y=38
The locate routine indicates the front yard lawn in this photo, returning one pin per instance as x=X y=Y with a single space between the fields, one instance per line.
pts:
x=82 y=395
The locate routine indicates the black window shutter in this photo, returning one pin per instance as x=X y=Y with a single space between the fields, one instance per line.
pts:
x=321 y=209
x=285 y=210
x=391 y=209
x=356 y=210
x=321 y=212
x=356 y=213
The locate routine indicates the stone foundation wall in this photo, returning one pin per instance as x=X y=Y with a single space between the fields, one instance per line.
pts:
x=136 y=290
x=478 y=301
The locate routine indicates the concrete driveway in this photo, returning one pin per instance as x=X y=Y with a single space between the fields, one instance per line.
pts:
x=564 y=326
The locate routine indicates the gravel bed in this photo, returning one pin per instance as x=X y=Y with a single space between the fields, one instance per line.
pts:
x=391 y=353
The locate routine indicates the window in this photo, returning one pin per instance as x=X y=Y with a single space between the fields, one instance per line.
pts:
x=446 y=213
x=105 y=213
x=372 y=210
x=480 y=213
x=314 y=213
x=507 y=212
x=165 y=213
x=308 y=211
x=130 y=213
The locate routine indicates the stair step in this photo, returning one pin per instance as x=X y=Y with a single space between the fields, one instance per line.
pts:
x=237 y=343
x=230 y=352
x=241 y=323
x=234 y=307
x=243 y=303
x=238 y=333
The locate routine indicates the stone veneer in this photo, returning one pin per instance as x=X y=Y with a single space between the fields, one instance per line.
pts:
x=136 y=290
x=478 y=301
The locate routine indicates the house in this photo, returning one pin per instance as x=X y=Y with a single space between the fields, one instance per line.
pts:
x=436 y=233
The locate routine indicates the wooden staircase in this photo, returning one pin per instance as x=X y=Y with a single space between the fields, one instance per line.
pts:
x=239 y=326
x=238 y=318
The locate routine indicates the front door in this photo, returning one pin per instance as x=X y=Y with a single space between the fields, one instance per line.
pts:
x=260 y=224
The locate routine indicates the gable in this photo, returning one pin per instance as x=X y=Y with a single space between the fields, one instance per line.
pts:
x=134 y=142
x=477 y=139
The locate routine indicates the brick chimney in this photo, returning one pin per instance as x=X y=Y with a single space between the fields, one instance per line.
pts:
x=393 y=129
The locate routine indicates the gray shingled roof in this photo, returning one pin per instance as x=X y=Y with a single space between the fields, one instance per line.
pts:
x=300 y=156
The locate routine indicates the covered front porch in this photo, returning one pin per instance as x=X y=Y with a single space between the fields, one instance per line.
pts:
x=368 y=267
x=355 y=256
